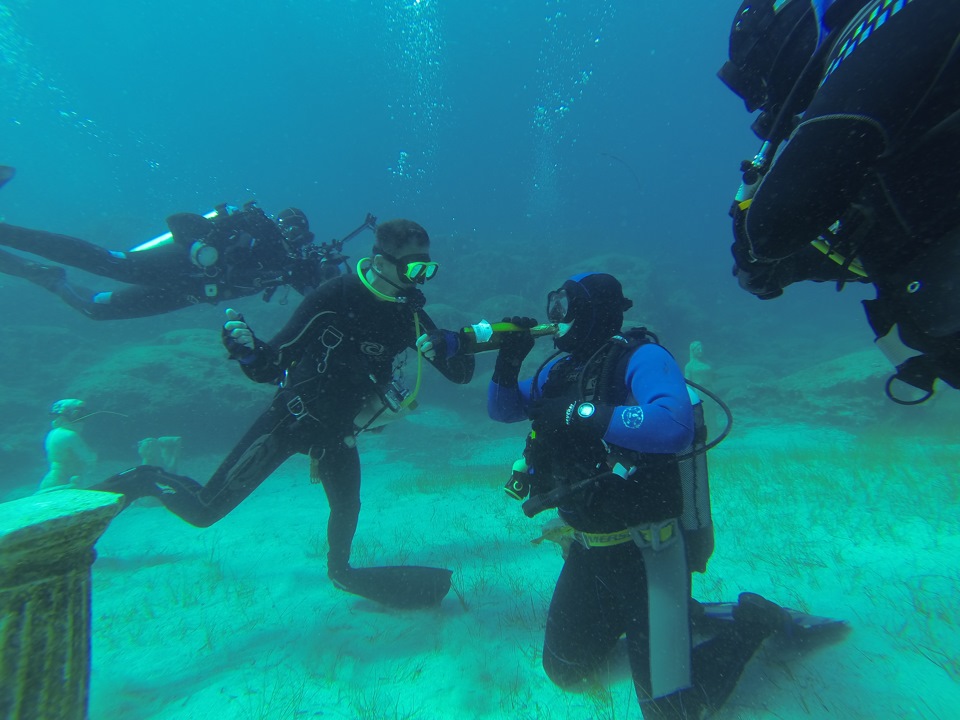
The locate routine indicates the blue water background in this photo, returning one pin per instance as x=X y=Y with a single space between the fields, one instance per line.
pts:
x=570 y=127
x=530 y=138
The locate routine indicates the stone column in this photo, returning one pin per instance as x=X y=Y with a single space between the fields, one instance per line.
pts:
x=46 y=550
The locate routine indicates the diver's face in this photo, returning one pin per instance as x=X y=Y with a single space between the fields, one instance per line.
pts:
x=566 y=338
x=295 y=238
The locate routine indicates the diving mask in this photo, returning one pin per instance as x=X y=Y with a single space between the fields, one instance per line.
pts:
x=558 y=306
x=417 y=268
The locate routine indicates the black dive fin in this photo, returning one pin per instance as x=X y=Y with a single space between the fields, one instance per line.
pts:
x=400 y=586
x=6 y=173
x=802 y=625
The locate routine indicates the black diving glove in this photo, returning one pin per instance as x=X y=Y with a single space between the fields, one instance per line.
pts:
x=558 y=417
x=757 y=282
x=513 y=350
x=238 y=338
x=757 y=278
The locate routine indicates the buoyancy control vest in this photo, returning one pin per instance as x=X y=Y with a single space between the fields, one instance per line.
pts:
x=603 y=381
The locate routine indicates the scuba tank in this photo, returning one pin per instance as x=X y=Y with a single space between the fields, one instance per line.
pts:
x=228 y=222
x=167 y=237
x=696 y=520
x=203 y=255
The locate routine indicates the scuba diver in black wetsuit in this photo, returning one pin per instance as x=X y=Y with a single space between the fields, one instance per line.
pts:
x=334 y=361
x=858 y=178
x=233 y=253
x=618 y=448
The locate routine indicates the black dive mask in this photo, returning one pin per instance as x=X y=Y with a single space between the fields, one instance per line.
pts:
x=298 y=238
x=558 y=306
x=295 y=227
x=593 y=304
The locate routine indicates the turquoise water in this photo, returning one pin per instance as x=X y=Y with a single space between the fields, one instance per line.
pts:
x=533 y=140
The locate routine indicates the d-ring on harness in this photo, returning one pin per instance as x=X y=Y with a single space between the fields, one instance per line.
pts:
x=330 y=338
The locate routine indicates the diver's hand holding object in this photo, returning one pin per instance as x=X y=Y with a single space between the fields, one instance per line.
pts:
x=514 y=348
x=438 y=343
x=237 y=337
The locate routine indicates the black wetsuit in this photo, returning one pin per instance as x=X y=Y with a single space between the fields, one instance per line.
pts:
x=879 y=149
x=251 y=259
x=339 y=347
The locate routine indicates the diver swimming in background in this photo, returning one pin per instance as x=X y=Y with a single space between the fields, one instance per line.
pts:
x=335 y=357
x=229 y=254
x=858 y=177
x=617 y=447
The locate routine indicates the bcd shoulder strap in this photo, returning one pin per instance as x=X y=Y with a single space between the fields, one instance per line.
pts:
x=611 y=388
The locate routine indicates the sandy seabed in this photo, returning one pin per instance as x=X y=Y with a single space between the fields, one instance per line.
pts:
x=239 y=621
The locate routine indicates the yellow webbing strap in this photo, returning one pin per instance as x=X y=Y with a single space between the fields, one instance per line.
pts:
x=855 y=266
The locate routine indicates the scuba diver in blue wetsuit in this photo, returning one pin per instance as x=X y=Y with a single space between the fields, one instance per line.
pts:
x=225 y=255
x=617 y=448
x=858 y=177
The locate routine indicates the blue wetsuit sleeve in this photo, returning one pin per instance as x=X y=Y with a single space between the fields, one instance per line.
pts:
x=660 y=417
x=508 y=404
